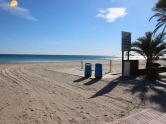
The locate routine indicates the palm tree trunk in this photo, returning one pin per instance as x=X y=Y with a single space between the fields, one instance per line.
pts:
x=148 y=68
x=151 y=71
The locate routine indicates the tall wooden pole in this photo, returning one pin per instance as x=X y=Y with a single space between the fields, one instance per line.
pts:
x=128 y=55
x=122 y=62
x=82 y=64
x=110 y=65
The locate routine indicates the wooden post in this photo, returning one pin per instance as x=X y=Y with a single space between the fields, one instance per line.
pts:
x=122 y=62
x=110 y=65
x=128 y=55
x=82 y=64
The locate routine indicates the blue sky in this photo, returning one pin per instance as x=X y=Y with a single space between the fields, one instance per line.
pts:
x=89 y=27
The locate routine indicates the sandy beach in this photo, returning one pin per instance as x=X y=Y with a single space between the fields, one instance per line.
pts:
x=48 y=93
x=83 y=62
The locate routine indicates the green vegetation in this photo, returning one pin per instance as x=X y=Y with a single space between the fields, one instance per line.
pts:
x=152 y=45
x=161 y=4
x=160 y=14
x=151 y=48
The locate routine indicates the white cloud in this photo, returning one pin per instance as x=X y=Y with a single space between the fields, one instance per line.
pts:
x=18 y=11
x=112 y=14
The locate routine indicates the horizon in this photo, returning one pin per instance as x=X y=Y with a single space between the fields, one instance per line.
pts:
x=72 y=27
x=109 y=56
x=61 y=55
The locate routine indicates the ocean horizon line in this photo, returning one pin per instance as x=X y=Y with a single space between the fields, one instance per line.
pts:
x=28 y=58
x=58 y=54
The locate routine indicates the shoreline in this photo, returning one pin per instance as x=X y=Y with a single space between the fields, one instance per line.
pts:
x=19 y=59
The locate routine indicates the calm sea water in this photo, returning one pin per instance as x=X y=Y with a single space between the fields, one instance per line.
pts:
x=50 y=58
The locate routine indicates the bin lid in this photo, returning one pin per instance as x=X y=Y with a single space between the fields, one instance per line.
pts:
x=98 y=64
x=88 y=64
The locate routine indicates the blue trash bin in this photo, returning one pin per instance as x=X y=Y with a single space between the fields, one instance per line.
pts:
x=88 y=69
x=98 y=71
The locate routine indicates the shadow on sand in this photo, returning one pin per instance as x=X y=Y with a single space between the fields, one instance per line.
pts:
x=159 y=97
x=93 y=81
x=108 y=88
x=80 y=79
x=141 y=87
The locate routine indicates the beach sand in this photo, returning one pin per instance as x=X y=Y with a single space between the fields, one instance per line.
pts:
x=45 y=93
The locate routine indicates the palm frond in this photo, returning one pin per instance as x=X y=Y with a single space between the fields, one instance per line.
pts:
x=138 y=51
x=160 y=10
x=150 y=47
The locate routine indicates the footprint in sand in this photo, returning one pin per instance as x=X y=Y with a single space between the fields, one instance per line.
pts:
x=31 y=109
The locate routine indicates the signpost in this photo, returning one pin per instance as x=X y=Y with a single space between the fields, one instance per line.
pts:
x=126 y=41
x=126 y=45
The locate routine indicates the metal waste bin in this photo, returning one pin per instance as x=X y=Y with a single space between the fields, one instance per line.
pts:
x=88 y=69
x=98 y=71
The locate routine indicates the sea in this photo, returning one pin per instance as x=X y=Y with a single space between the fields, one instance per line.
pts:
x=15 y=58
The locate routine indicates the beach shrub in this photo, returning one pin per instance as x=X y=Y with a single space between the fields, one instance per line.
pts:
x=151 y=48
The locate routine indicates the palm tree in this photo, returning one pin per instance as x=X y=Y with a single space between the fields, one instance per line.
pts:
x=160 y=9
x=161 y=4
x=151 y=48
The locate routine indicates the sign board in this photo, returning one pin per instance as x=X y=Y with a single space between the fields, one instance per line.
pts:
x=126 y=41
